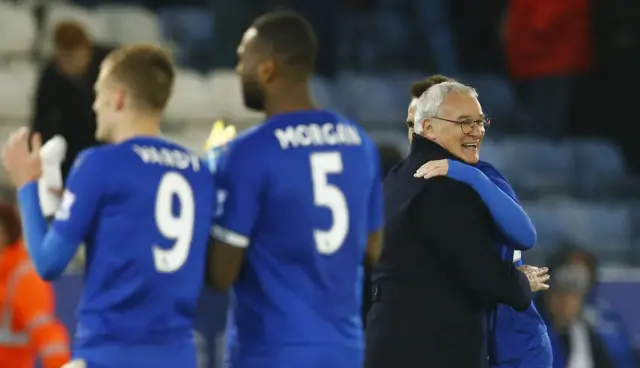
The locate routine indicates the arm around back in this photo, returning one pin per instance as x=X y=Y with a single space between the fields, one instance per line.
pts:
x=452 y=218
x=510 y=218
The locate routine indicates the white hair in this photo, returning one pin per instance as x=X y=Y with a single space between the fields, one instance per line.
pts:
x=414 y=103
x=428 y=104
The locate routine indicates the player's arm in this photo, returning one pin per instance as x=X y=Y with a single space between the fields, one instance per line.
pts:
x=457 y=232
x=52 y=249
x=34 y=307
x=240 y=186
x=511 y=219
x=375 y=212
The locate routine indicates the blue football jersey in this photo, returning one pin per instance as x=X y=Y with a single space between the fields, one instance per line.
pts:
x=301 y=192
x=144 y=209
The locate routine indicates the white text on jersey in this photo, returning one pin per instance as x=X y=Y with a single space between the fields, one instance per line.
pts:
x=173 y=158
x=327 y=134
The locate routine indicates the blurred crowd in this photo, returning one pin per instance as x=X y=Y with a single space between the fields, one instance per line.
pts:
x=572 y=64
x=557 y=77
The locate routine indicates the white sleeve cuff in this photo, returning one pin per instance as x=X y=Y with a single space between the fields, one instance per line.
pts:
x=229 y=237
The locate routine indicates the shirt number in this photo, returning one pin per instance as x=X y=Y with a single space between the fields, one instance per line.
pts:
x=176 y=227
x=329 y=196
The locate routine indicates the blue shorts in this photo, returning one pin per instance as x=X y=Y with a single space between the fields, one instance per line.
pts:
x=299 y=356
x=540 y=356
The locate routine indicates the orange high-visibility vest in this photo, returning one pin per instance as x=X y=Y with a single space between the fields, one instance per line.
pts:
x=28 y=326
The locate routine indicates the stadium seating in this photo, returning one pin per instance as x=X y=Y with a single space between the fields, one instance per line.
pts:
x=17 y=84
x=536 y=163
x=496 y=95
x=600 y=165
x=323 y=93
x=190 y=32
x=17 y=31
x=190 y=100
x=369 y=99
x=602 y=227
x=545 y=218
x=128 y=24
x=571 y=188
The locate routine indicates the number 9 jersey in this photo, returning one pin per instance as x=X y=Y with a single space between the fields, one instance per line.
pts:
x=301 y=193
x=144 y=209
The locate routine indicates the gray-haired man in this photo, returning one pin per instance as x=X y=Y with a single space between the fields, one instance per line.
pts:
x=439 y=269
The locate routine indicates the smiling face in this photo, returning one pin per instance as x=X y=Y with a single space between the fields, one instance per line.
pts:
x=457 y=107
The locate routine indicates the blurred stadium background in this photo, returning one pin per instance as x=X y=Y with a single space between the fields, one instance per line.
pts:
x=579 y=182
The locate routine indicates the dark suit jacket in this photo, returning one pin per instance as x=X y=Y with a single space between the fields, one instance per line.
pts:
x=64 y=106
x=438 y=272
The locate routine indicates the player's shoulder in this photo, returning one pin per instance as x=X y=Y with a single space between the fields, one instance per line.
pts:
x=92 y=155
x=255 y=137
x=251 y=136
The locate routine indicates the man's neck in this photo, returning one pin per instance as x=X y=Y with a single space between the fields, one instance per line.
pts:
x=291 y=98
x=149 y=127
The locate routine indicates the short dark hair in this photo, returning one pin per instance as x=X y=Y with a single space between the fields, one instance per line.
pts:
x=147 y=72
x=418 y=88
x=70 y=35
x=289 y=37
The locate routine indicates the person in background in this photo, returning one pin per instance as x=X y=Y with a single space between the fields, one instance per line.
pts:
x=31 y=329
x=599 y=313
x=575 y=342
x=548 y=46
x=64 y=94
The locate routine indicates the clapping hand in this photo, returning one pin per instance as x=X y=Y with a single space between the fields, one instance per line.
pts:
x=538 y=277
x=21 y=164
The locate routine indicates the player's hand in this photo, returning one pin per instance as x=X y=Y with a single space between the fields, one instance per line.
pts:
x=538 y=277
x=220 y=135
x=432 y=169
x=21 y=164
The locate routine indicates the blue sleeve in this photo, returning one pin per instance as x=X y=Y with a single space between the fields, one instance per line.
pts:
x=49 y=252
x=376 y=201
x=81 y=199
x=511 y=219
x=240 y=182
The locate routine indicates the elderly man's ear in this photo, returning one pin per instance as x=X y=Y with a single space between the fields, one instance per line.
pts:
x=427 y=129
